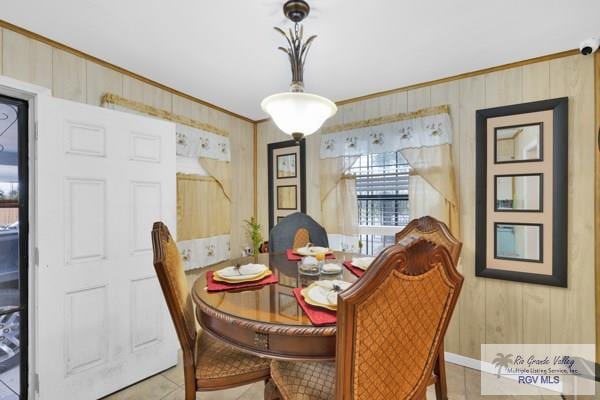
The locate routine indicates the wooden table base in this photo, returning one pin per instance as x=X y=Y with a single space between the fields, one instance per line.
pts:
x=285 y=342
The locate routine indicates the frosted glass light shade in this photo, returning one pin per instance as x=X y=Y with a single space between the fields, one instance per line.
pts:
x=298 y=112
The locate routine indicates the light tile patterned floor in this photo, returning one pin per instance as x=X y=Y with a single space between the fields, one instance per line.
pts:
x=463 y=384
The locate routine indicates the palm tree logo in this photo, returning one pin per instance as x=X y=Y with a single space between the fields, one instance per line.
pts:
x=502 y=361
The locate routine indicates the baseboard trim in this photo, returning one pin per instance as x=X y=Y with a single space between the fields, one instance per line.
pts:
x=479 y=365
x=458 y=359
x=472 y=363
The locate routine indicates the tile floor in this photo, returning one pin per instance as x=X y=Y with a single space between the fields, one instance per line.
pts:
x=463 y=384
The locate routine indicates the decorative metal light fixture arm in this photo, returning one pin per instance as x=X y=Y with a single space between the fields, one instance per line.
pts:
x=297 y=53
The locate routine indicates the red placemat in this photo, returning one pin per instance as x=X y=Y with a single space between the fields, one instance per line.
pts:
x=355 y=270
x=291 y=256
x=318 y=316
x=214 y=286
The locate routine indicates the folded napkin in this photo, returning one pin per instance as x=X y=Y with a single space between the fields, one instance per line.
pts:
x=317 y=316
x=355 y=270
x=328 y=289
x=291 y=256
x=214 y=286
x=363 y=262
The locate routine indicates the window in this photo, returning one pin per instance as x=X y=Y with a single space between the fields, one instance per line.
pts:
x=9 y=192
x=382 y=191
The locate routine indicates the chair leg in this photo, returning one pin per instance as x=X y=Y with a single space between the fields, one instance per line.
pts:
x=189 y=377
x=441 y=387
x=190 y=393
x=271 y=391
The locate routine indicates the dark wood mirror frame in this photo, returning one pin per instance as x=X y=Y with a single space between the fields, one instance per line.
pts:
x=559 y=136
x=300 y=169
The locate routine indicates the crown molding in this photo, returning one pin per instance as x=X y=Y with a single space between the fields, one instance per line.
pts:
x=7 y=25
x=465 y=75
x=53 y=43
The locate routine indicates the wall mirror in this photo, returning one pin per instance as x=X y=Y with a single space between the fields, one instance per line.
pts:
x=287 y=197
x=521 y=192
x=286 y=166
x=518 y=242
x=519 y=143
x=287 y=180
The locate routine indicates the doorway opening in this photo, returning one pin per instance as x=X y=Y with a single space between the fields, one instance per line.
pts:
x=14 y=184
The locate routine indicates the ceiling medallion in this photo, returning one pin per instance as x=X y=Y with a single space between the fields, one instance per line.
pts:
x=295 y=112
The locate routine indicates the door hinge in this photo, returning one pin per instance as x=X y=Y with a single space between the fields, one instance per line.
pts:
x=36 y=383
x=35 y=130
x=36 y=256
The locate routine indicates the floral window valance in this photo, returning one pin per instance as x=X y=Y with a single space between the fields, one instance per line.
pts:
x=424 y=138
x=424 y=128
x=194 y=138
x=193 y=142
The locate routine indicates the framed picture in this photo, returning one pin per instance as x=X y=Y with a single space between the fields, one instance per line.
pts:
x=286 y=197
x=521 y=192
x=286 y=166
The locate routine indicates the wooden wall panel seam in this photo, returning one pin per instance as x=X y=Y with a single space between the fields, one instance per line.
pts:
x=597 y=198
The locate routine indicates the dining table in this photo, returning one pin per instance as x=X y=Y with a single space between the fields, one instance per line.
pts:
x=267 y=320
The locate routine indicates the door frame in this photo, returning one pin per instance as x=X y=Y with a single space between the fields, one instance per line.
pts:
x=23 y=235
x=30 y=93
x=280 y=145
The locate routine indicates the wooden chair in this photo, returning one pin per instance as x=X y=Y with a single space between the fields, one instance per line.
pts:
x=391 y=324
x=208 y=364
x=283 y=234
x=301 y=238
x=432 y=229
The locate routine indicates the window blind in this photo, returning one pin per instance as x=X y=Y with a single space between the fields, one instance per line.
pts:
x=382 y=192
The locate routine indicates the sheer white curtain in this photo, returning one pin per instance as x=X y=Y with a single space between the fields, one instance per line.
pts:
x=339 y=204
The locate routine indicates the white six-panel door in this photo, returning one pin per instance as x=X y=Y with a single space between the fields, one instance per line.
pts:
x=103 y=178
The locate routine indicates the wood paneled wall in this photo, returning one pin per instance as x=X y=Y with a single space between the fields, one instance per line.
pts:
x=79 y=79
x=494 y=311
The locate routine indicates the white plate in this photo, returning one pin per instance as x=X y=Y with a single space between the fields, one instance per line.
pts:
x=245 y=272
x=311 y=251
x=331 y=268
x=321 y=292
x=362 y=262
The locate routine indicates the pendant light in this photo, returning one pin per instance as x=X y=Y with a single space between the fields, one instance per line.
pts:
x=295 y=112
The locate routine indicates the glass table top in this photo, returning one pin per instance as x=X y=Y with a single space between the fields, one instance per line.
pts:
x=273 y=303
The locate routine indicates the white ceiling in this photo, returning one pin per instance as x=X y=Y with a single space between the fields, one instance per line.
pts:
x=224 y=51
